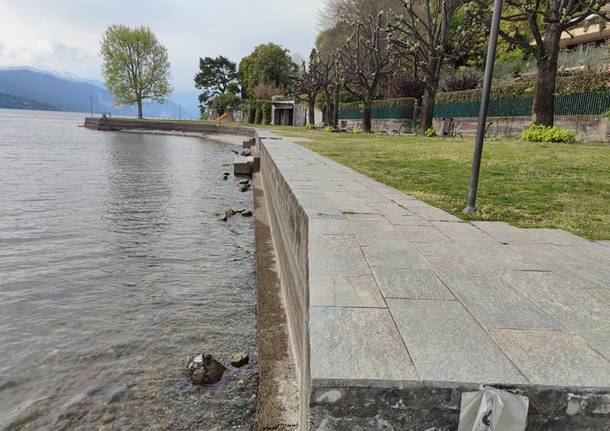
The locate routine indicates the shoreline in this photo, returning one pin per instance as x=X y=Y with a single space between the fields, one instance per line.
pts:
x=218 y=137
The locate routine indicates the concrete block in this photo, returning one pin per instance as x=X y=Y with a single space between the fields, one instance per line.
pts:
x=243 y=165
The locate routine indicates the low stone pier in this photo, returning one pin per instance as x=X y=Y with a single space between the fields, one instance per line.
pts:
x=396 y=307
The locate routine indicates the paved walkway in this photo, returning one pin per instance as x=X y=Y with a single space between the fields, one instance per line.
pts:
x=402 y=292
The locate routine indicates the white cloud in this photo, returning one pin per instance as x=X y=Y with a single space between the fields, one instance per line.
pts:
x=65 y=36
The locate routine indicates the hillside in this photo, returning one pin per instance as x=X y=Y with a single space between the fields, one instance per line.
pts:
x=8 y=101
x=63 y=94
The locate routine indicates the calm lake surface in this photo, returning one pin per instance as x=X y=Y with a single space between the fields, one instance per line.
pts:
x=113 y=269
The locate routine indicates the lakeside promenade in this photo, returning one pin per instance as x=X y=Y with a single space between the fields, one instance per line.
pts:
x=406 y=306
x=394 y=308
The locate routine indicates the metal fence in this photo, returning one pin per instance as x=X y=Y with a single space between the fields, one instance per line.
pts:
x=565 y=104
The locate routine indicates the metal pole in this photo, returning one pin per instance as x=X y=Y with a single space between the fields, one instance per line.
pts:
x=91 y=103
x=489 y=70
x=179 y=113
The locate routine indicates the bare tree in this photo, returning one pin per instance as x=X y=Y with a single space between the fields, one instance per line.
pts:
x=310 y=83
x=544 y=22
x=427 y=35
x=331 y=79
x=366 y=59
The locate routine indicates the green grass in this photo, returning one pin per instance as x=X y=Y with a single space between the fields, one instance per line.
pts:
x=563 y=186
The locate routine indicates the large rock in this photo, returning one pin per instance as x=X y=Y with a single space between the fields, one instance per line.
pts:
x=204 y=369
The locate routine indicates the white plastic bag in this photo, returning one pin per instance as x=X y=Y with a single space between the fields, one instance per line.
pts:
x=492 y=409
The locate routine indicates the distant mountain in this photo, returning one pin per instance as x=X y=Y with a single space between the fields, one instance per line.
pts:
x=69 y=93
x=8 y=101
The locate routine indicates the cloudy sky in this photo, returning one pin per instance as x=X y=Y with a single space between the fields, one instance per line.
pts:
x=64 y=35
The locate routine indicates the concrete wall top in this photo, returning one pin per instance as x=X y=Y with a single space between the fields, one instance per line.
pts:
x=165 y=125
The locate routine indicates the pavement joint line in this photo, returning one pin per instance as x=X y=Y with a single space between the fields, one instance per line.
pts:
x=402 y=338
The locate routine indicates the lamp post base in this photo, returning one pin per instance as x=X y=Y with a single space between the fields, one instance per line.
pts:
x=470 y=210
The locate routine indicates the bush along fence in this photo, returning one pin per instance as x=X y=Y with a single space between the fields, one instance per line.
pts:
x=382 y=109
x=582 y=94
x=257 y=111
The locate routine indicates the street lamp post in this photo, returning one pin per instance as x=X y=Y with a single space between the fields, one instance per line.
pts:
x=489 y=70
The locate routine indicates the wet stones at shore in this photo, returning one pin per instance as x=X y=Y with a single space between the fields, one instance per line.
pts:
x=204 y=369
x=227 y=213
x=246 y=152
x=225 y=175
x=239 y=359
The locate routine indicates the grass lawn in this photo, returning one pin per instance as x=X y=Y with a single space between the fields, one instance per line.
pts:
x=529 y=185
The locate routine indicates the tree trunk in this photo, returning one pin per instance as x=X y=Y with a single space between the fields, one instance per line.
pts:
x=366 y=117
x=431 y=79
x=336 y=109
x=328 y=111
x=311 y=107
x=546 y=77
x=427 y=110
x=140 y=114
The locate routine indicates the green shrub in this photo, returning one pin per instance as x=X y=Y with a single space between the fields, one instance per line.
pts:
x=401 y=102
x=251 y=112
x=266 y=107
x=538 y=133
x=587 y=82
x=310 y=127
x=332 y=129
x=258 y=118
x=430 y=132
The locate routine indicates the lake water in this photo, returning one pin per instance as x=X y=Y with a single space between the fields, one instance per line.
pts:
x=113 y=269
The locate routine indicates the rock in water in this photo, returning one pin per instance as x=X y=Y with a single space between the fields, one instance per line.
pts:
x=246 y=153
x=244 y=188
x=204 y=369
x=239 y=359
x=246 y=213
x=244 y=182
x=225 y=214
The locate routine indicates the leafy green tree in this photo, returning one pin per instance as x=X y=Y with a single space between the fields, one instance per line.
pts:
x=268 y=64
x=543 y=22
x=216 y=76
x=135 y=65
x=225 y=102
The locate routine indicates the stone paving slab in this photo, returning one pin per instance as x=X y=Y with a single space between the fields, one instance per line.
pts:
x=360 y=344
x=343 y=291
x=401 y=291
x=453 y=348
x=554 y=358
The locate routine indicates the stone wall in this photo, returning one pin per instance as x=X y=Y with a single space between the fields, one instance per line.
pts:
x=587 y=128
x=289 y=225
x=164 y=125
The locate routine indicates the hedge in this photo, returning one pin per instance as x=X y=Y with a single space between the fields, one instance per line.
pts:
x=589 y=82
x=266 y=107
x=381 y=109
